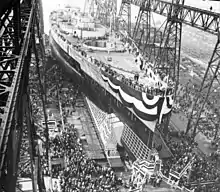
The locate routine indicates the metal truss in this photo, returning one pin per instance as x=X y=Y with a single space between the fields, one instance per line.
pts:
x=39 y=52
x=147 y=38
x=150 y=48
x=201 y=19
x=141 y=33
x=28 y=162
x=167 y=53
x=111 y=13
x=13 y=40
x=16 y=126
x=198 y=18
x=103 y=12
x=168 y=56
x=89 y=6
x=124 y=20
x=208 y=92
x=97 y=9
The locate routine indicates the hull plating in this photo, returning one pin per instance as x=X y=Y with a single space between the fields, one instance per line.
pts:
x=100 y=96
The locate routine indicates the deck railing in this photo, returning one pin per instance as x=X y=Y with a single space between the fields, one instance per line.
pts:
x=155 y=89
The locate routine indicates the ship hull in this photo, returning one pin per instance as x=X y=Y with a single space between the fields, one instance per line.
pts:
x=102 y=97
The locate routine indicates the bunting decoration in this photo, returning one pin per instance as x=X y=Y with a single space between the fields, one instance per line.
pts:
x=147 y=107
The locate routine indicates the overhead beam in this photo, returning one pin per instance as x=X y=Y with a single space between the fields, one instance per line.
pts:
x=202 y=19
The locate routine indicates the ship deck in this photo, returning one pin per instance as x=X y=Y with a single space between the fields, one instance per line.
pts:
x=121 y=62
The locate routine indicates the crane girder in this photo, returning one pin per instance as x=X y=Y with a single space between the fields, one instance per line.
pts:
x=202 y=19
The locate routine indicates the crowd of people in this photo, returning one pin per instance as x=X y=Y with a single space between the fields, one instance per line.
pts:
x=83 y=174
x=94 y=177
x=151 y=90
x=202 y=169
x=79 y=172
x=187 y=94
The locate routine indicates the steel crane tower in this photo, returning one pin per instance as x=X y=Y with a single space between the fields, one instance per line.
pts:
x=209 y=88
x=145 y=35
x=102 y=10
x=90 y=7
x=17 y=131
x=124 y=20
x=95 y=8
x=143 y=25
x=167 y=61
x=101 y=13
x=168 y=54
x=111 y=13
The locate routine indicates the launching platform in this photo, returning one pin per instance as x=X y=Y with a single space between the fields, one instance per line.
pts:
x=85 y=128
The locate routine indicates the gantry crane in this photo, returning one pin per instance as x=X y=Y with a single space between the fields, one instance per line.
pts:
x=142 y=29
x=19 y=19
x=102 y=10
x=200 y=19
x=170 y=44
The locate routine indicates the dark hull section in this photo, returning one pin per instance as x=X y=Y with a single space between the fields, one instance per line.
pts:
x=69 y=65
x=100 y=96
